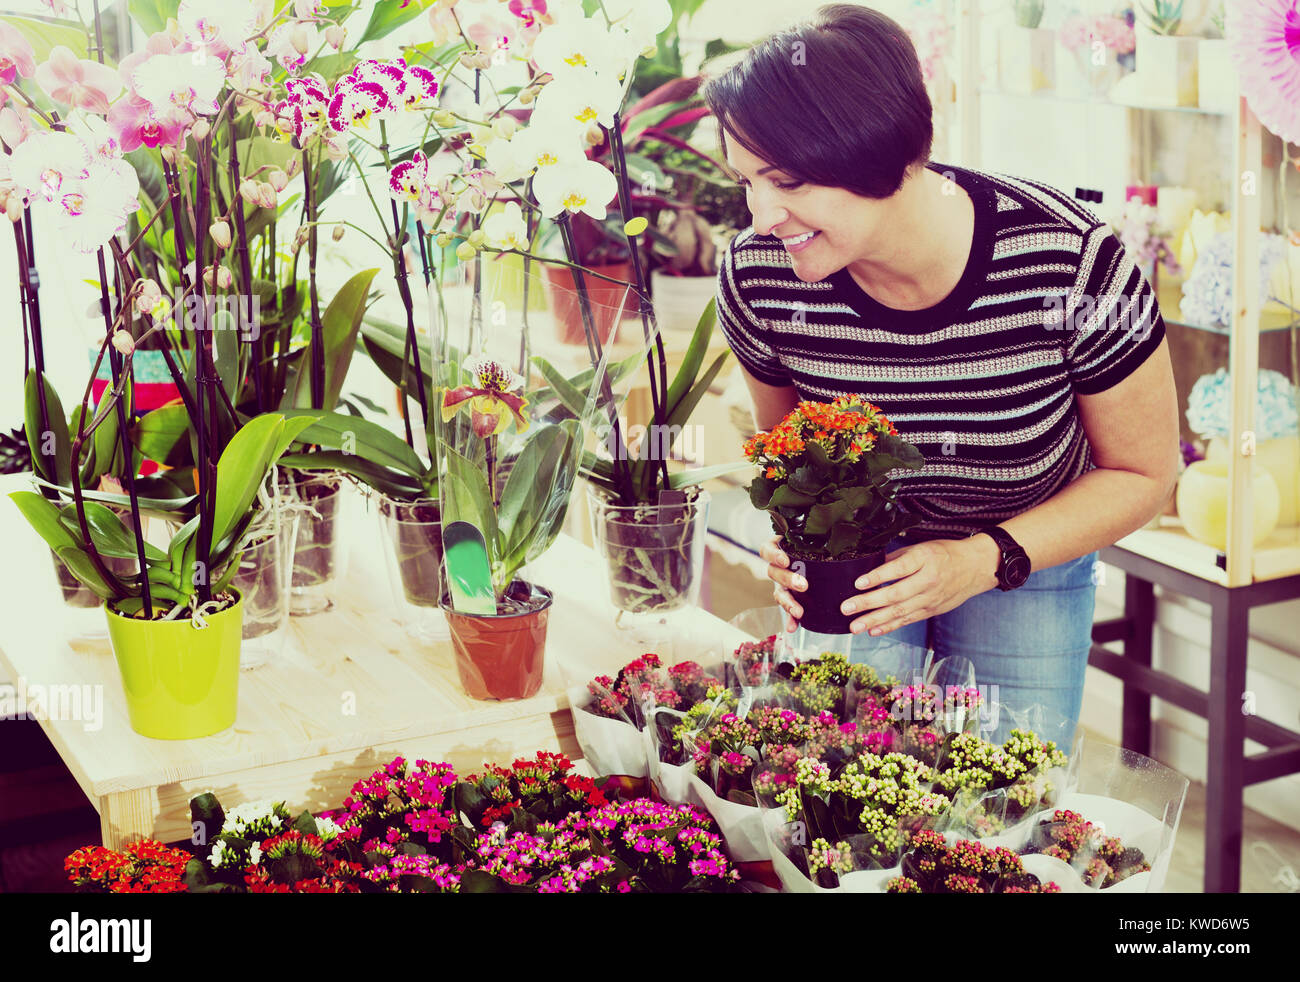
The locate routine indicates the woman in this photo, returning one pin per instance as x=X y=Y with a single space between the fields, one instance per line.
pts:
x=998 y=324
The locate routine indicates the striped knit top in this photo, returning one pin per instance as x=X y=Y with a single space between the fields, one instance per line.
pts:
x=983 y=382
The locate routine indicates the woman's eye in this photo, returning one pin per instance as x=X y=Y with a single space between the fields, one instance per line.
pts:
x=787 y=185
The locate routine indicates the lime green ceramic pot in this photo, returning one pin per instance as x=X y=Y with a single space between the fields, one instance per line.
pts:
x=181 y=681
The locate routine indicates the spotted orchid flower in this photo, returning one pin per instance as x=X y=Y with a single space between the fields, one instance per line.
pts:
x=492 y=399
x=356 y=104
x=307 y=106
x=419 y=88
x=407 y=180
x=388 y=75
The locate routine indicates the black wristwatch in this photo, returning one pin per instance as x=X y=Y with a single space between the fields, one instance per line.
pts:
x=1013 y=565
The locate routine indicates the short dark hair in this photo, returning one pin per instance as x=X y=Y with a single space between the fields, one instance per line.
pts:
x=837 y=100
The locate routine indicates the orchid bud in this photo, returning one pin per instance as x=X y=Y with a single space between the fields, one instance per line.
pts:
x=477 y=238
x=14 y=208
x=169 y=154
x=444 y=118
x=248 y=190
x=150 y=294
x=466 y=59
x=200 y=130
x=336 y=35
x=220 y=232
x=278 y=179
x=504 y=127
x=264 y=117
x=443 y=240
x=337 y=234
x=123 y=342
x=300 y=40
x=266 y=196
x=465 y=252
x=224 y=278
x=293 y=166
x=305 y=9
x=526 y=96
x=210 y=277
x=477 y=200
x=300 y=237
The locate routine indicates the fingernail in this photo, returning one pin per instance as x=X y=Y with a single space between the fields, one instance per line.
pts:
x=782 y=559
x=862 y=582
x=846 y=608
x=800 y=583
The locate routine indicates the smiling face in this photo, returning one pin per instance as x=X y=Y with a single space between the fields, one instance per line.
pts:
x=843 y=226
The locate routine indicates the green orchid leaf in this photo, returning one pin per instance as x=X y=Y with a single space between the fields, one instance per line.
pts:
x=361 y=437
x=163 y=434
x=110 y=535
x=52 y=448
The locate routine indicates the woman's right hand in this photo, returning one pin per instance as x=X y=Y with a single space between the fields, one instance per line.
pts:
x=778 y=571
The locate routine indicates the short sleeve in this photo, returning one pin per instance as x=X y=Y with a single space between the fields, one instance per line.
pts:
x=1114 y=321
x=746 y=333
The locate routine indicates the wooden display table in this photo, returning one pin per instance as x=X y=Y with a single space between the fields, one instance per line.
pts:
x=351 y=691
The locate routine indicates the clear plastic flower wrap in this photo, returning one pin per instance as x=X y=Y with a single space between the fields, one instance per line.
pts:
x=1120 y=813
x=997 y=788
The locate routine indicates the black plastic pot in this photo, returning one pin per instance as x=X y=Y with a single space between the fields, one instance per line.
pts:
x=830 y=583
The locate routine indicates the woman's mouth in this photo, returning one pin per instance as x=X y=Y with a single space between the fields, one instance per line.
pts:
x=797 y=243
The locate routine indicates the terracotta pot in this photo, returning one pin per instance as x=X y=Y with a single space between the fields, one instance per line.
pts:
x=609 y=301
x=830 y=583
x=500 y=656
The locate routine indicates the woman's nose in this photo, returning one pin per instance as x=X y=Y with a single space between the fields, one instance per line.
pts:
x=767 y=216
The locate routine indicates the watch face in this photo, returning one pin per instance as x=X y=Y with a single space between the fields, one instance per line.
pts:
x=1016 y=570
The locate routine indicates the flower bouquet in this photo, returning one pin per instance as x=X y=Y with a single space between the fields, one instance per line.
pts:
x=932 y=865
x=1100 y=860
x=824 y=479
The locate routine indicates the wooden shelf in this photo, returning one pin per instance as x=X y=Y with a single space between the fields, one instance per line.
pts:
x=1275 y=557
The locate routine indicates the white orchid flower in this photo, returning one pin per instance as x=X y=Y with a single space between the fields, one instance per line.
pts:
x=507 y=229
x=172 y=83
x=544 y=146
x=583 y=186
x=582 y=96
x=217 y=22
x=642 y=20
x=573 y=44
x=505 y=160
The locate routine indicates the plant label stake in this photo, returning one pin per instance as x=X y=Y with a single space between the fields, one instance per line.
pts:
x=468 y=573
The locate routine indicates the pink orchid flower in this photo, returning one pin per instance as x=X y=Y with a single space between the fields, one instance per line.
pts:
x=75 y=82
x=16 y=56
x=134 y=124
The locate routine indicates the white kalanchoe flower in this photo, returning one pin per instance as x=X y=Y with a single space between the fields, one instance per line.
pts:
x=584 y=186
x=218 y=855
x=507 y=229
x=255 y=853
x=328 y=829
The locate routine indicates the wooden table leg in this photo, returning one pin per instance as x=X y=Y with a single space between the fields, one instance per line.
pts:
x=1140 y=610
x=127 y=816
x=1229 y=636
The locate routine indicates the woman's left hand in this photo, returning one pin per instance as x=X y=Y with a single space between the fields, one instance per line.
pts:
x=930 y=577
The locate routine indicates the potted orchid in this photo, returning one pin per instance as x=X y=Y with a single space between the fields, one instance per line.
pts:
x=824 y=479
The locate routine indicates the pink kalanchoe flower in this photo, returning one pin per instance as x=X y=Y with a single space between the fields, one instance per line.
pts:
x=86 y=85
x=16 y=55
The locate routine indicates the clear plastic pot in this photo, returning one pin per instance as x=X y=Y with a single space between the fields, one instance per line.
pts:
x=316 y=555
x=413 y=529
x=264 y=580
x=654 y=555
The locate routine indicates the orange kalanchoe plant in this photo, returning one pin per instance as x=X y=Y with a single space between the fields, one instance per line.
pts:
x=823 y=477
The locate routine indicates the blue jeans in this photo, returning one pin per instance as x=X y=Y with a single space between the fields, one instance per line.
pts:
x=1029 y=648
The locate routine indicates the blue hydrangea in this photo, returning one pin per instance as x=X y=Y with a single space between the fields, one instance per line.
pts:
x=1207 y=291
x=1211 y=401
